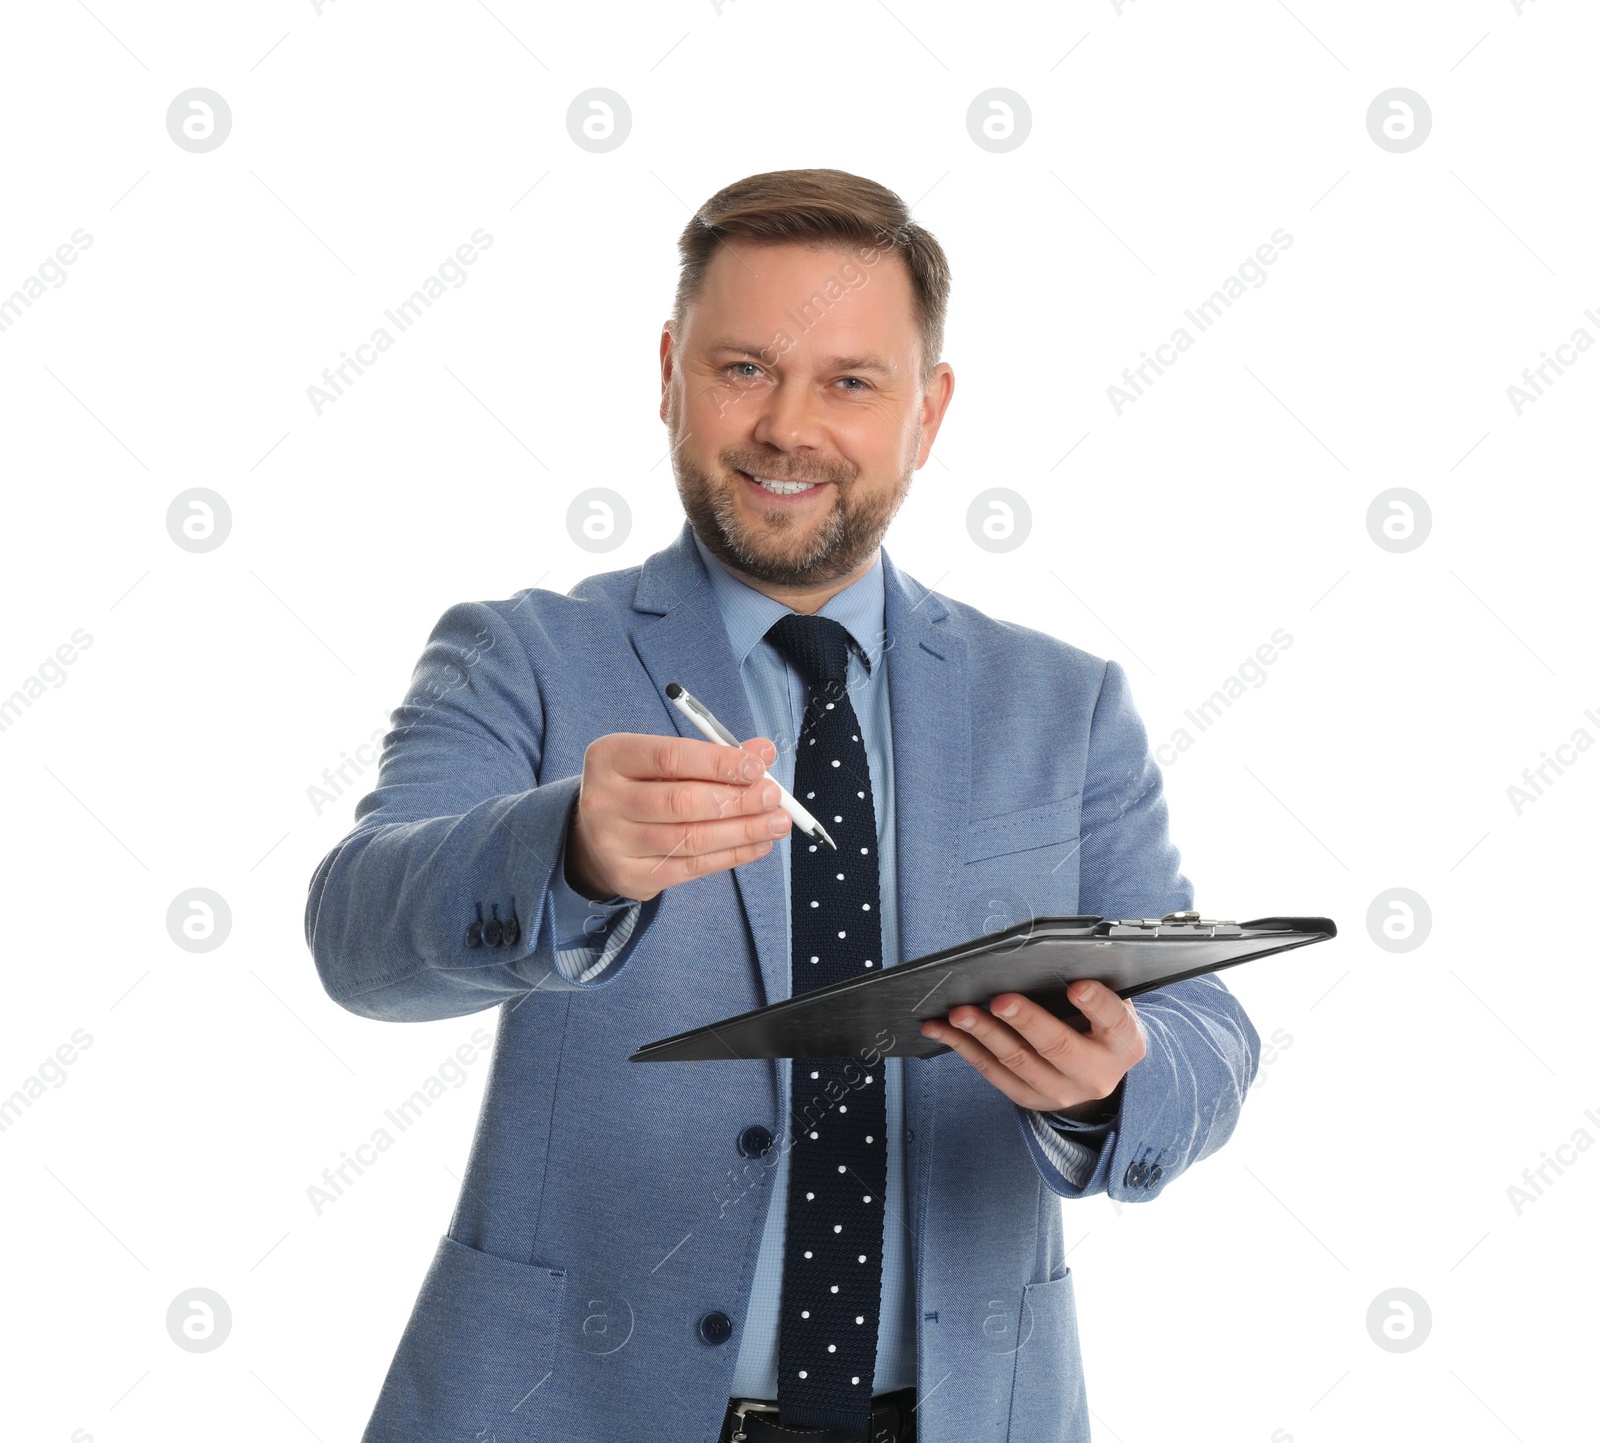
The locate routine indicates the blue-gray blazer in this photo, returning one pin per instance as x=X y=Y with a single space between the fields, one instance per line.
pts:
x=606 y=1211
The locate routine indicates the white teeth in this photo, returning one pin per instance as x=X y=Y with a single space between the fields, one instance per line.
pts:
x=784 y=488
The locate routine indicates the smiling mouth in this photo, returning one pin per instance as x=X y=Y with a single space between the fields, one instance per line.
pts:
x=779 y=487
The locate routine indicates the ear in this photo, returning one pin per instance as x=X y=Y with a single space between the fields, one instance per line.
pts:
x=666 y=359
x=935 y=401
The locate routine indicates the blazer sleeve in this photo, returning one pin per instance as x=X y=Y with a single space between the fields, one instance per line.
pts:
x=460 y=829
x=1182 y=1099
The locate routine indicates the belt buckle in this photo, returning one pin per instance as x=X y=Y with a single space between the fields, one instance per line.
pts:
x=877 y=1433
x=740 y=1408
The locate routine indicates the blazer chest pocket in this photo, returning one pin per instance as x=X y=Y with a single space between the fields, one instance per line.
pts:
x=1019 y=865
x=1032 y=829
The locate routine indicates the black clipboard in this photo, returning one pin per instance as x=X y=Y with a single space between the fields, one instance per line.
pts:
x=1036 y=958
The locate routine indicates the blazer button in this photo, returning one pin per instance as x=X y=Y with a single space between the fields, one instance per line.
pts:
x=475 y=934
x=1135 y=1175
x=755 y=1141
x=716 y=1327
x=513 y=930
x=1155 y=1175
x=493 y=932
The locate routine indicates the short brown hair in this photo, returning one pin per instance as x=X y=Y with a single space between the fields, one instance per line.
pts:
x=819 y=208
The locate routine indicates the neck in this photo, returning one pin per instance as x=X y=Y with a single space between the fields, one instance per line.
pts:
x=807 y=600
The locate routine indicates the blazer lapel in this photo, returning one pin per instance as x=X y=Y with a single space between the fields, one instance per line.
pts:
x=688 y=643
x=932 y=716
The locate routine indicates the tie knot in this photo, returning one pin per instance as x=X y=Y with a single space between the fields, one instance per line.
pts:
x=817 y=645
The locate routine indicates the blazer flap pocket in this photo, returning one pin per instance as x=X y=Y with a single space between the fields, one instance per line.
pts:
x=476 y=1357
x=1043 y=824
x=1047 y=1392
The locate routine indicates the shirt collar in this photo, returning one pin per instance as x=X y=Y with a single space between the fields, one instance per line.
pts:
x=749 y=614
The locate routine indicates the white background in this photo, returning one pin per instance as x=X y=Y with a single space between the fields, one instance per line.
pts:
x=1167 y=142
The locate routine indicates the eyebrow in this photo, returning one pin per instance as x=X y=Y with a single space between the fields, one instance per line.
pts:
x=866 y=362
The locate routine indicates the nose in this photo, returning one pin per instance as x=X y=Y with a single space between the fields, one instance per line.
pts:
x=790 y=418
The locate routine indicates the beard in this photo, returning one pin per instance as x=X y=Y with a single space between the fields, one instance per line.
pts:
x=787 y=550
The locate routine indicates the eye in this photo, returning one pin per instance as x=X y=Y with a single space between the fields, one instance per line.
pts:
x=737 y=364
x=857 y=379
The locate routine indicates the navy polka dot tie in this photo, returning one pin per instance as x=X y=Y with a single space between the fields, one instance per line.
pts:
x=833 y=1241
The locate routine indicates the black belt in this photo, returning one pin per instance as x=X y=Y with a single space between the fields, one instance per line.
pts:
x=756 y=1420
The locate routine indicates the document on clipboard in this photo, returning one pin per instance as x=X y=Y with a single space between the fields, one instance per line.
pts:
x=1036 y=958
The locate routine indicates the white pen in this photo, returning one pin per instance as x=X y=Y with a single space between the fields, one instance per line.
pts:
x=714 y=731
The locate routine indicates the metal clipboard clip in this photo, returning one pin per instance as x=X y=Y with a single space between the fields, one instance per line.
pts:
x=1174 y=924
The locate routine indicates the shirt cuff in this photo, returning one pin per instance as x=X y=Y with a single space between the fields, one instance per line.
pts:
x=587 y=934
x=1072 y=1124
x=1110 y=1109
x=1073 y=1154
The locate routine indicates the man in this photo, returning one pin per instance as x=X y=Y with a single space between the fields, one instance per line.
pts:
x=835 y=1249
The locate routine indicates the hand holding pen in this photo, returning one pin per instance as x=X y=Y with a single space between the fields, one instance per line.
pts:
x=654 y=811
x=713 y=730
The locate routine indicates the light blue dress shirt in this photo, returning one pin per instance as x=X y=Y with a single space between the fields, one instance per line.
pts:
x=590 y=934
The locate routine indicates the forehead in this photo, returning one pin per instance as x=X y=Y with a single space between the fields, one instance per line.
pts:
x=827 y=295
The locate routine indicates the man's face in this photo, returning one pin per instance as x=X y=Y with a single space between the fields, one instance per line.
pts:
x=799 y=365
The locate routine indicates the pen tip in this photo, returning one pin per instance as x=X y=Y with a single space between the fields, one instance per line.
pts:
x=674 y=691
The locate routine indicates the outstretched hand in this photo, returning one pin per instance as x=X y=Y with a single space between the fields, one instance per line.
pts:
x=1037 y=1060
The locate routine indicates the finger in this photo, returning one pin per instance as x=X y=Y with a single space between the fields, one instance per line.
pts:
x=1096 y=1001
x=763 y=747
x=1061 y=1046
x=684 y=866
x=1112 y=1019
x=988 y=1065
x=686 y=828
x=741 y=827
x=683 y=801
x=700 y=817
x=646 y=757
x=1016 y=1054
